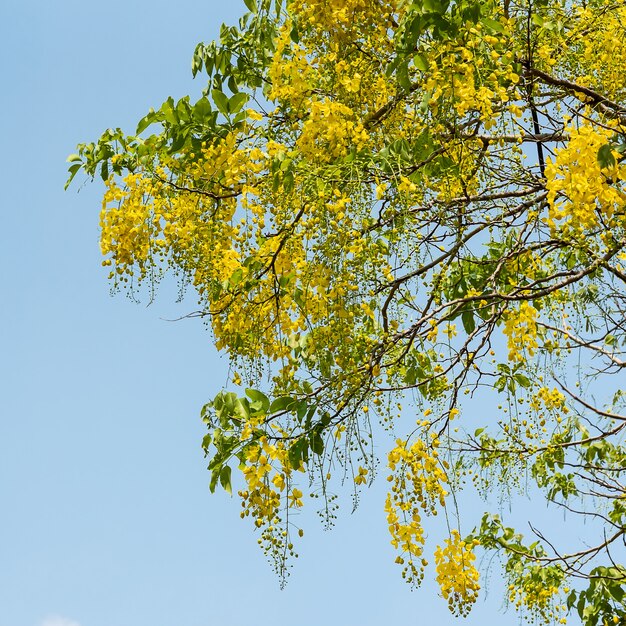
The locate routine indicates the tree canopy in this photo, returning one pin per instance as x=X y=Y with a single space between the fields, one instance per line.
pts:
x=406 y=227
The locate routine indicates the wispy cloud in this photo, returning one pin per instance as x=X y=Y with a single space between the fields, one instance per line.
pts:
x=55 y=620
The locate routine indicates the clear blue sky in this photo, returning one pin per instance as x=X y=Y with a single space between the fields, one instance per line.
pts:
x=106 y=518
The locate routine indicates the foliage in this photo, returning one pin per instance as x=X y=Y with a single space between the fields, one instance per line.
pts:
x=392 y=212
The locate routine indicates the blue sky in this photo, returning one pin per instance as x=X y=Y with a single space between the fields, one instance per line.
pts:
x=106 y=518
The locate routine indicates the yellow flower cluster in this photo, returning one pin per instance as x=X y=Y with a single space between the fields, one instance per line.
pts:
x=600 y=49
x=407 y=536
x=537 y=592
x=520 y=329
x=146 y=219
x=342 y=16
x=290 y=72
x=552 y=399
x=127 y=224
x=580 y=193
x=469 y=79
x=329 y=131
x=456 y=574
x=259 y=499
x=418 y=481
x=267 y=473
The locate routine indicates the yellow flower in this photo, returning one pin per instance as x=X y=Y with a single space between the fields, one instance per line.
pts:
x=361 y=477
x=450 y=330
x=295 y=498
x=279 y=481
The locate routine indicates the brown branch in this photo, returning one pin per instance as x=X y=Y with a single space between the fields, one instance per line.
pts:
x=202 y=192
x=576 y=88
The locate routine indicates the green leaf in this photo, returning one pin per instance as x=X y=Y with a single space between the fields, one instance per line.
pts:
x=196 y=61
x=225 y=479
x=259 y=400
x=73 y=170
x=202 y=109
x=146 y=121
x=415 y=28
x=420 y=62
x=571 y=599
x=605 y=156
x=435 y=6
x=402 y=76
x=616 y=590
x=295 y=34
x=221 y=101
x=299 y=452
x=301 y=409
x=215 y=474
x=522 y=380
x=183 y=110
x=468 y=322
x=294 y=455
x=178 y=141
x=242 y=408
x=169 y=111
x=537 y=19
x=281 y=404
x=236 y=102
x=317 y=443
x=251 y=4
x=493 y=25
